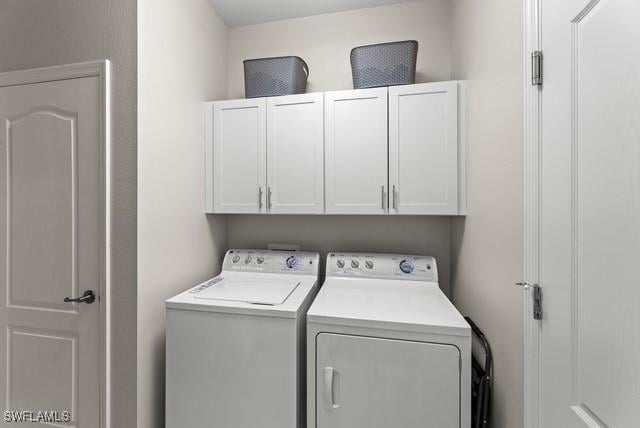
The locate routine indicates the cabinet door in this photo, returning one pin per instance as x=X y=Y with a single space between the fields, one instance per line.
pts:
x=239 y=156
x=356 y=151
x=295 y=154
x=364 y=382
x=423 y=148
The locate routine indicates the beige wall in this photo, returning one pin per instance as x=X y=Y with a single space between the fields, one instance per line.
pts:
x=36 y=33
x=487 y=245
x=182 y=52
x=325 y=42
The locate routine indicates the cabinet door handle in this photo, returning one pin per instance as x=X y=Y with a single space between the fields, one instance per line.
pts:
x=269 y=197
x=259 y=197
x=329 y=400
x=394 y=196
x=382 y=197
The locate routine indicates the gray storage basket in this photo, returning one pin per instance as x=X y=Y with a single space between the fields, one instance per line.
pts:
x=269 y=77
x=384 y=64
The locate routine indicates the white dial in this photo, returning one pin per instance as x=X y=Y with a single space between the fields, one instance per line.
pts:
x=369 y=264
x=235 y=259
x=340 y=263
x=355 y=264
x=260 y=260
x=292 y=262
x=407 y=266
x=248 y=259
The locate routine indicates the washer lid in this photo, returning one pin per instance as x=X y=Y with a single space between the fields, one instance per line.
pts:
x=263 y=291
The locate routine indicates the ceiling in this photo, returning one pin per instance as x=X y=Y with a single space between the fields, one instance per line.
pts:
x=245 y=12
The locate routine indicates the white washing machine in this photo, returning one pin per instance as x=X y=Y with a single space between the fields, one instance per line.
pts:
x=235 y=344
x=385 y=347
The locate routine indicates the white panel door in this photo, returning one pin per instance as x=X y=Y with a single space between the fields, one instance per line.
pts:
x=52 y=244
x=295 y=154
x=423 y=148
x=356 y=148
x=239 y=156
x=590 y=214
x=364 y=382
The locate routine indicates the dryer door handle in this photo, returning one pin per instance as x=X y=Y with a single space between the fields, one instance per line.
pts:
x=330 y=381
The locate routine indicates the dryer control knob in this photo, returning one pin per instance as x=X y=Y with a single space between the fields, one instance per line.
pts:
x=355 y=264
x=406 y=266
x=248 y=259
x=340 y=263
x=235 y=259
x=292 y=262
x=369 y=264
x=260 y=260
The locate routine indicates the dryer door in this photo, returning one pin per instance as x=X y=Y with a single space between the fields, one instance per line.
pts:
x=364 y=382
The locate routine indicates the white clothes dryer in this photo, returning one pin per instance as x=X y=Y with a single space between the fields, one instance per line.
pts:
x=385 y=347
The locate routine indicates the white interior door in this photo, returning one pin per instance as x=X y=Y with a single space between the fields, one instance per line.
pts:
x=590 y=214
x=365 y=382
x=356 y=147
x=52 y=246
x=295 y=154
x=239 y=156
x=423 y=148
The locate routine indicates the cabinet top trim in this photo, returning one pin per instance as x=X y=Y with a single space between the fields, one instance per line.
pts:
x=373 y=91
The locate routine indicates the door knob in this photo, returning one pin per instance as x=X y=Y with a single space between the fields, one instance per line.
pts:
x=88 y=297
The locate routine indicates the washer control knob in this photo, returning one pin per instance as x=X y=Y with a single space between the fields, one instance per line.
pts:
x=355 y=264
x=292 y=262
x=369 y=264
x=260 y=260
x=406 y=266
x=235 y=259
x=248 y=259
x=340 y=263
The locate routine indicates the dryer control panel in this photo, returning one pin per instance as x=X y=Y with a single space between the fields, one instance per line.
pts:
x=384 y=266
x=269 y=261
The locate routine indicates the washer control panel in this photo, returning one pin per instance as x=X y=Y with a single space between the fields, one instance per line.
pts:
x=271 y=261
x=384 y=266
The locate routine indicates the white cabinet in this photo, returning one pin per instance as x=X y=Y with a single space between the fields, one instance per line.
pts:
x=237 y=155
x=266 y=155
x=424 y=150
x=295 y=152
x=396 y=150
x=356 y=151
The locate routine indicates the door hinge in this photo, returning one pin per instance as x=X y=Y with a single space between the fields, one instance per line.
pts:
x=536 y=68
x=537 y=298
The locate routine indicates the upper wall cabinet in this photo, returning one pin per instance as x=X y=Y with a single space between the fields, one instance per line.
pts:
x=397 y=150
x=424 y=150
x=295 y=176
x=266 y=155
x=356 y=151
x=237 y=158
